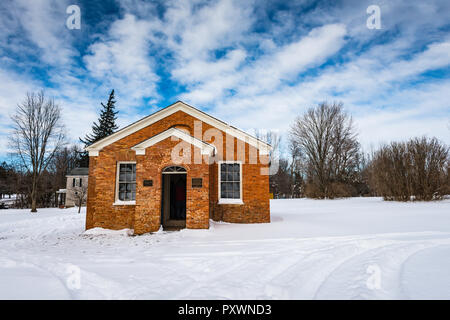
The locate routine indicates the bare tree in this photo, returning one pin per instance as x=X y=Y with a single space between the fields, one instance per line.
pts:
x=64 y=161
x=274 y=139
x=80 y=194
x=296 y=169
x=326 y=137
x=37 y=136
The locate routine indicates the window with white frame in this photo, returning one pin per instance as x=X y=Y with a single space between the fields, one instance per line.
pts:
x=230 y=187
x=126 y=181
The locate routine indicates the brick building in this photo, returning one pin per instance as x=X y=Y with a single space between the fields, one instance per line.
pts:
x=177 y=167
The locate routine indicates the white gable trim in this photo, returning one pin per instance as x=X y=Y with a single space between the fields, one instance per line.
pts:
x=263 y=147
x=206 y=148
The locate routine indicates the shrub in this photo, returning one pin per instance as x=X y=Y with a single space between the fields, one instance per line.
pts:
x=414 y=170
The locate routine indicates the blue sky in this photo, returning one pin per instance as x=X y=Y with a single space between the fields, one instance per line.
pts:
x=254 y=64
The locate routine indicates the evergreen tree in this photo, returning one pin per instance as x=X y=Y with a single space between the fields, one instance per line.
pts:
x=106 y=125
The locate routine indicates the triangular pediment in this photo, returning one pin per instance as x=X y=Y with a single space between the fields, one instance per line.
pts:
x=205 y=147
x=263 y=147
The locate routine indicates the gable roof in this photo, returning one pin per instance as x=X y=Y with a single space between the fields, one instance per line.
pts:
x=173 y=132
x=81 y=171
x=262 y=146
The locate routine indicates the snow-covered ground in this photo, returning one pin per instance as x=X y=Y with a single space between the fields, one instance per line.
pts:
x=360 y=248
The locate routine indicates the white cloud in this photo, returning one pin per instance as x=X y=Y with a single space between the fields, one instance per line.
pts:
x=245 y=67
x=12 y=92
x=435 y=56
x=290 y=60
x=194 y=29
x=377 y=92
x=122 y=60
x=417 y=111
x=44 y=23
x=268 y=72
x=198 y=70
x=195 y=32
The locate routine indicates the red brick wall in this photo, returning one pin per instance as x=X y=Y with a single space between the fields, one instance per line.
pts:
x=201 y=203
x=255 y=193
x=148 y=199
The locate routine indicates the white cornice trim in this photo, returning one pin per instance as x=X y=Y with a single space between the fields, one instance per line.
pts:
x=206 y=148
x=263 y=147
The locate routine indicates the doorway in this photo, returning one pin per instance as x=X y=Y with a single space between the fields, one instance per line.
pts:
x=173 y=213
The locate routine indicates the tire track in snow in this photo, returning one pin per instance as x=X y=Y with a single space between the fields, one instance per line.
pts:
x=301 y=280
x=348 y=279
x=32 y=265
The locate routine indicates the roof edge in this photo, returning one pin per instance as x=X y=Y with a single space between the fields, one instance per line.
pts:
x=167 y=111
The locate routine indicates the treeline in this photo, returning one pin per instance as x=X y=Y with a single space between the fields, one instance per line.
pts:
x=16 y=180
x=325 y=160
x=417 y=169
x=39 y=152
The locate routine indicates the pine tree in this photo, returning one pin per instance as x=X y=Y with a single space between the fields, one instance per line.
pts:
x=106 y=125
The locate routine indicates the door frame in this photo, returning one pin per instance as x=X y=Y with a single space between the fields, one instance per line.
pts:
x=166 y=222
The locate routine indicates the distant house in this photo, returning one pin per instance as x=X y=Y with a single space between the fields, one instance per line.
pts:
x=177 y=167
x=76 y=185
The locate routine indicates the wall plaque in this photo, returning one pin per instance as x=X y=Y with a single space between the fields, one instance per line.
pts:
x=197 y=182
x=148 y=183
